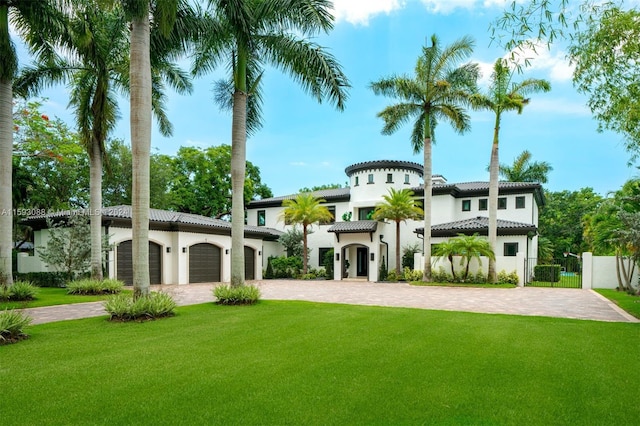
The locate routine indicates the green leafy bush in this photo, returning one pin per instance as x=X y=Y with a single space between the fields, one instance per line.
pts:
x=547 y=273
x=383 y=273
x=92 y=287
x=393 y=276
x=268 y=274
x=241 y=295
x=411 y=275
x=286 y=267
x=441 y=276
x=508 y=278
x=19 y=291
x=44 y=279
x=123 y=307
x=12 y=325
x=327 y=262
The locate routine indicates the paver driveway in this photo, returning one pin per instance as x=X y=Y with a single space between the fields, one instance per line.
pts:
x=557 y=302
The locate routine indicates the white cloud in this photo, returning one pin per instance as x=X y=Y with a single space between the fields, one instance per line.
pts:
x=558 y=106
x=541 y=58
x=448 y=6
x=358 y=12
x=298 y=164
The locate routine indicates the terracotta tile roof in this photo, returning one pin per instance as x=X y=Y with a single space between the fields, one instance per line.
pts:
x=480 y=225
x=357 y=226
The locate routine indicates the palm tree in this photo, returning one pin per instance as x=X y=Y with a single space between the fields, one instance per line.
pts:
x=525 y=170
x=439 y=91
x=503 y=96
x=247 y=35
x=398 y=206
x=36 y=21
x=97 y=65
x=169 y=20
x=471 y=247
x=306 y=210
x=447 y=249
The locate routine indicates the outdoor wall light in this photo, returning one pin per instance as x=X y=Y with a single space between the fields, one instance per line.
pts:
x=259 y=253
x=184 y=249
x=168 y=249
x=226 y=251
x=337 y=256
x=373 y=257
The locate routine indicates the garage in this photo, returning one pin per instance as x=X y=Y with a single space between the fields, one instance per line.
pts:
x=204 y=263
x=249 y=263
x=124 y=262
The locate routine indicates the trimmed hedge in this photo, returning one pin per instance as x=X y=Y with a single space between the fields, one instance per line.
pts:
x=44 y=279
x=547 y=273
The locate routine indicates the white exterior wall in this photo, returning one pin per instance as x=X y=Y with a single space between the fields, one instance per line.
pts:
x=604 y=273
x=443 y=210
x=364 y=192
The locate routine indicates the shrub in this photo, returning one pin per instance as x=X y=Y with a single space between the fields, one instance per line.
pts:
x=12 y=324
x=411 y=275
x=241 y=295
x=383 y=273
x=547 y=273
x=44 y=279
x=286 y=267
x=268 y=275
x=393 y=276
x=441 y=276
x=408 y=253
x=508 y=278
x=327 y=262
x=91 y=287
x=19 y=291
x=122 y=307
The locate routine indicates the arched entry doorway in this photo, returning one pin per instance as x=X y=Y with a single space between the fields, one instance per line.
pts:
x=355 y=261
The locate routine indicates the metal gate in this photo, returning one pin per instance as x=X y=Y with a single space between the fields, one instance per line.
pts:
x=565 y=272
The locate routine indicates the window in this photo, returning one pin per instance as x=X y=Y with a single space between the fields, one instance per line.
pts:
x=370 y=178
x=262 y=217
x=357 y=181
x=389 y=178
x=365 y=213
x=466 y=205
x=510 y=249
x=406 y=179
x=332 y=210
x=322 y=252
x=520 y=202
x=482 y=204
x=502 y=203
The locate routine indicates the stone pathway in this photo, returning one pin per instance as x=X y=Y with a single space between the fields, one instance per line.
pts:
x=557 y=302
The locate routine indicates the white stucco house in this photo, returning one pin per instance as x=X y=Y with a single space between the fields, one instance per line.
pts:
x=183 y=248
x=457 y=208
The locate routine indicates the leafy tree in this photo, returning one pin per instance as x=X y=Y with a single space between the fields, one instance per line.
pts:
x=322 y=187
x=305 y=210
x=471 y=247
x=292 y=242
x=201 y=181
x=439 y=91
x=562 y=219
x=545 y=250
x=503 y=95
x=399 y=206
x=525 y=170
x=68 y=248
x=249 y=34
x=36 y=22
x=446 y=250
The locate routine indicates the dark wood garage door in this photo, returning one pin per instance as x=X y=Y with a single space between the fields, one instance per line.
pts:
x=125 y=264
x=204 y=263
x=249 y=263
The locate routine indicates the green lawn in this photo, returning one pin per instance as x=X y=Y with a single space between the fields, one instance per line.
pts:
x=464 y=285
x=312 y=363
x=49 y=296
x=572 y=281
x=626 y=301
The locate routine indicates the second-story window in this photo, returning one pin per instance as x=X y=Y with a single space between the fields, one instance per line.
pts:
x=357 y=181
x=520 y=202
x=482 y=204
x=332 y=210
x=466 y=205
x=262 y=217
x=389 y=178
x=502 y=203
x=370 y=178
x=406 y=179
x=365 y=213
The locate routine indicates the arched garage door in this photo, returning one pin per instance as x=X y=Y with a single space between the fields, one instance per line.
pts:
x=204 y=263
x=249 y=263
x=125 y=264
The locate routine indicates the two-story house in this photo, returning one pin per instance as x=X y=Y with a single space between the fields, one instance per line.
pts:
x=458 y=208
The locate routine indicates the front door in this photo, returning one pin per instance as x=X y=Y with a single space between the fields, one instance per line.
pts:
x=362 y=269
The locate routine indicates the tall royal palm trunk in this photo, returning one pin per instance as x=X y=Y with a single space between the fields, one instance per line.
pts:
x=305 y=249
x=6 y=202
x=238 y=166
x=493 y=200
x=95 y=208
x=428 y=187
x=7 y=62
x=398 y=247
x=140 y=87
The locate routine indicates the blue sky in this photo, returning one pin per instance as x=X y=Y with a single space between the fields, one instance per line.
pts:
x=304 y=144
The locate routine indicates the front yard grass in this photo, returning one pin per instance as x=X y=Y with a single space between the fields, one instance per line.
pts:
x=50 y=296
x=626 y=301
x=313 y=363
